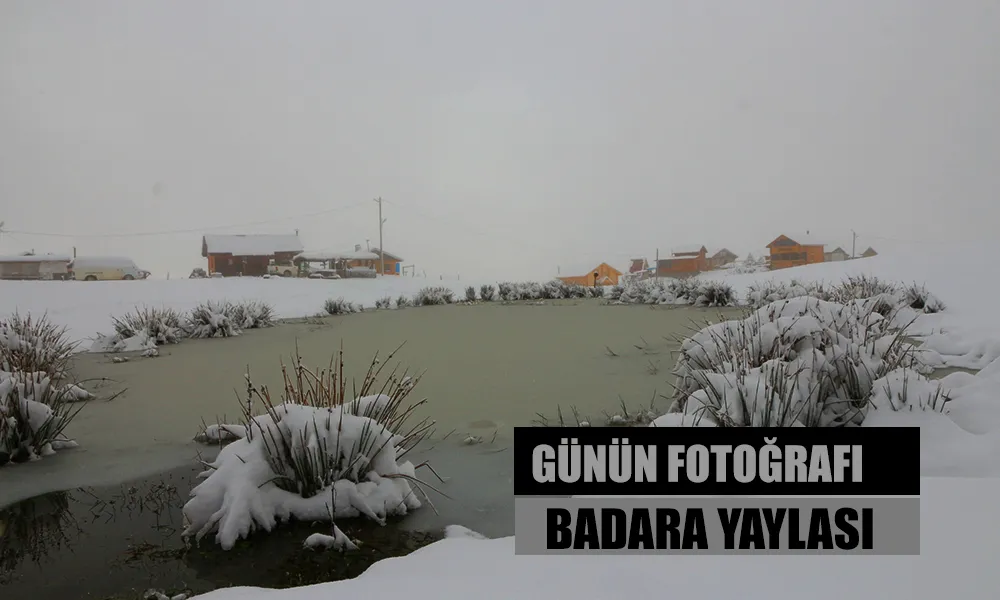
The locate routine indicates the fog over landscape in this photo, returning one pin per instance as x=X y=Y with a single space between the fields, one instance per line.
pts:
x=508 y=139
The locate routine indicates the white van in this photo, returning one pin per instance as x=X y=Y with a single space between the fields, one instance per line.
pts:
x=105 y=268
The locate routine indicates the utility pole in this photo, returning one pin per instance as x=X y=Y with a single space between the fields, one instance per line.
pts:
x=656 y=266
x=854 y=244
x=381 y=248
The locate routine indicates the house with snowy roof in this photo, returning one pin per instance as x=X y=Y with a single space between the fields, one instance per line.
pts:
x=720 y=257
x=684 y=261
x=802 y=249
x=869 y=253
x=248 y=254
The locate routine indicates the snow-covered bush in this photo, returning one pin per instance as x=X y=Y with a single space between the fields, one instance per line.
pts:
x=431 y=296
x=487 y=293
x=33 y=414
x=33 y=345
x=339 y=306
x=550 y=290
x=470 y=294
x=918 y=298
x=210 y=320
x=315 y=456
x=251 y=314
x=856 y=287
x=383 y=303
x=691 y=292
x=798 y=362
x=153 y=326
x=403 y=301
x=762 y=293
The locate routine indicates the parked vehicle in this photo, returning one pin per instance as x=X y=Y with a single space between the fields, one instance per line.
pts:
x=105 y=268
x=284 y=269
x=324 y=274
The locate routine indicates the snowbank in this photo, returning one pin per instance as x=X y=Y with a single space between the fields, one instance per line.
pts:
x=959 y=545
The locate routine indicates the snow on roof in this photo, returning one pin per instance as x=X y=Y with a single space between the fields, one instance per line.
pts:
x=323 y=256
x=103 y=260
x=805 y=239
x=252 y=245
x=388 y=254
x=36 y=258
x=687 y=249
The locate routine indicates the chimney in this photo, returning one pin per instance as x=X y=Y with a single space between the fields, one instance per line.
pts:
x=357 y=247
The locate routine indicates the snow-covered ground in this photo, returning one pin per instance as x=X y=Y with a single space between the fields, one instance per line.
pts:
x=960 y=538
x=86 y=307
x=959 y=545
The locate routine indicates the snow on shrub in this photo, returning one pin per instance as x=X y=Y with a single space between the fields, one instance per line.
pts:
x=550 y=290
x=918 y=298
x=315 y=456
x=798 y=362
x=210 y=320
x=339 y=306
x=433 y=296
x=470 y=294
x=33 y=414
x=403 y=301
x=383 y=303
x=142 y=329
x=33 y=345
x=251 y=314
x=691 y=292
x=487 y=293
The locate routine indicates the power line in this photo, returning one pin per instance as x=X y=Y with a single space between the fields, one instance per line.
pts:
x=179 y=231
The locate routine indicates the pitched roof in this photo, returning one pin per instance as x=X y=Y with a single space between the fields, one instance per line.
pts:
x=687 y=249
x=802 y=239
x=250 y=245
x=36 y=258
x=838 y=248
x=388 y=254
x=715 y=252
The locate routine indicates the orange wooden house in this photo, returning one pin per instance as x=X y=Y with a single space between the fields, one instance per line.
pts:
x=685 y=261
x=802 y=250
x=602 y=274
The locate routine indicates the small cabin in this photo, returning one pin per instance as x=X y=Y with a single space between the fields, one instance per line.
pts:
x=35 y=266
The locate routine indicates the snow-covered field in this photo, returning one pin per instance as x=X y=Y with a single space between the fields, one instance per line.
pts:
x=959 y=537
x=86 y=307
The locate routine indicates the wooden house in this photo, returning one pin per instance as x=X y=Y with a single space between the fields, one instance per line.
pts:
x=35 y=266
x=836 y=255
x=720 y=258
x=393 y=263
x=685 y=261
x=602 y=274
x=248 y=255
x=802 y=250
x=869 y=253
x=638 y=265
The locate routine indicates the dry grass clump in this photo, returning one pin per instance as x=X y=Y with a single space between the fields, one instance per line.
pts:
x=308 y=467
x=34 y=345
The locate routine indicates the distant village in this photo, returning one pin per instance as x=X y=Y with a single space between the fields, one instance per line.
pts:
x=283 y=255
x=226 y=255
x=687 y=261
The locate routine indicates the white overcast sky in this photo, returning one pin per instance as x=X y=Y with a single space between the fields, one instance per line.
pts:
x=508 y=138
